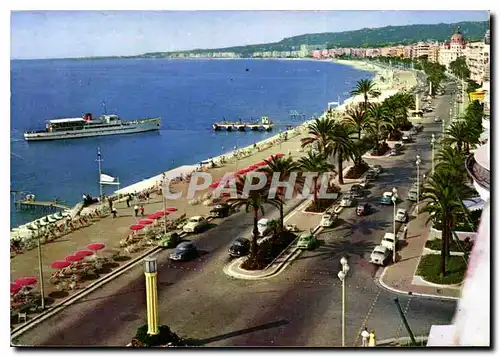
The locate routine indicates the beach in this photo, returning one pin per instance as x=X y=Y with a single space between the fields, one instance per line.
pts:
x=113 y=231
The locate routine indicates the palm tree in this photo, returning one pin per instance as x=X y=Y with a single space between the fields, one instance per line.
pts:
x=319 y=131
x=341 y=144
x=450 y=160
x=285 y=166
x=255 y=201
x=315 y=162
x=456 y=134
x=366 y=87
x=358 y=118
x=379 y=120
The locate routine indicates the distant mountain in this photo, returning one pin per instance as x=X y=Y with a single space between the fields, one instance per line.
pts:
x=375 y=37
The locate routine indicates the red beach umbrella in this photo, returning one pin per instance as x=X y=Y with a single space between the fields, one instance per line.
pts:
x=154 y=216
x=261 y=163
x=28 y=280
x=215 y=184
x=253 y=167
x=84 y=253
x=242 y=171
x=145 y=221
x=162 y=213
x=136 y=227
x=74 y=258
x=96 y=246
x=280 y=154
x=171 y=209
x=14 y=288
x=60 y=264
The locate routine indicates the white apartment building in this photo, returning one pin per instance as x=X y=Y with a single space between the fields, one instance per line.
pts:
x=451 y=50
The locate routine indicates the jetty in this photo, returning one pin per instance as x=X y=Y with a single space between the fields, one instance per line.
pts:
x=265 y=125
x=41 y=205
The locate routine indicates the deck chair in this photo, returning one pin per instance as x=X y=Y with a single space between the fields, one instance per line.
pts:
x=22 y=316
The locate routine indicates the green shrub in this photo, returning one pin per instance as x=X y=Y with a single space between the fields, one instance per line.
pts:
x=435 y=244
x=430 y=266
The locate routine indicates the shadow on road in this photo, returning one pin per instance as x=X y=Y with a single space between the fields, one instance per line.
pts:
x=242 y=332
x=338 y=249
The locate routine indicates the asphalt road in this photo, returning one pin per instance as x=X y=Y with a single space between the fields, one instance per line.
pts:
x=299 y=307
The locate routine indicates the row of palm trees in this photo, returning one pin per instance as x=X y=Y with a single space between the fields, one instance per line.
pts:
x=449 y=185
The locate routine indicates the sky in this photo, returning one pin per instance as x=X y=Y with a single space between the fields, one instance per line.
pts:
x=63 y=34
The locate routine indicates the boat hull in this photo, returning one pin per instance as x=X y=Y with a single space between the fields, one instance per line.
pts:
x=130 y=128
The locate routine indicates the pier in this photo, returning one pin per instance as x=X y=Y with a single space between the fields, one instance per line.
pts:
x=40 y=205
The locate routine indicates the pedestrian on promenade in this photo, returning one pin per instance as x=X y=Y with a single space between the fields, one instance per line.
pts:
x=365 y=335
x=113 y=210
x=129 y=198
x=372 y=342
x=110 y=202
x=136 y=210
x=147 y=196
x=142 y=210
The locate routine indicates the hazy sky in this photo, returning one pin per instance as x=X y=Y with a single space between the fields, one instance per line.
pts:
x=53 y=34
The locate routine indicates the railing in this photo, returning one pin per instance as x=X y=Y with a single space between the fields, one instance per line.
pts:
x=477 y=172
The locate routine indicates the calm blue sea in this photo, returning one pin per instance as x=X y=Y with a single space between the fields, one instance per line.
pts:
x=189 y=95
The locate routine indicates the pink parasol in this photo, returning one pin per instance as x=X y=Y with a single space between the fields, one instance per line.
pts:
x=171 y=209
x=60 y=264
x=253 y=167
x=84 y=253
x=280 y=154
x=14 y=288
x=74 y=258
x=242 y=171
x=145 y=221
x=154 y=216
x=162 y=213
x=96 y=246
x=28 y=280
x=136 y=227
x=262 y=163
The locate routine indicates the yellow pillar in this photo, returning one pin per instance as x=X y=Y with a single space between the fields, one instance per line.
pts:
x=152 y=296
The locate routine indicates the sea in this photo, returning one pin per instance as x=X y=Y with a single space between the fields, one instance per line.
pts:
x=189 y=95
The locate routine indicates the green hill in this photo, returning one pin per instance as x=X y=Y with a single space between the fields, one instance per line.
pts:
x=375 y=37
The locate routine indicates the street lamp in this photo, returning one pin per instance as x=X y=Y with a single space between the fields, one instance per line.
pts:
x=433 y=143
x=394 y=201
x=342 y=276
x=418 y=162
x=151 y=272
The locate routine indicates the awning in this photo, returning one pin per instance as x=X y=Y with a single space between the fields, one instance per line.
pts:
x=475 y=204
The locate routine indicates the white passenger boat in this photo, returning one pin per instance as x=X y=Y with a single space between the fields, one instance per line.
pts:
x=72 y=128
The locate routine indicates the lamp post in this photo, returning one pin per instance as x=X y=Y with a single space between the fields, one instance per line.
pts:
x=151 y=272
x=164 y=193
x=342 y=276
x=433 y=143
x=394 y=199
x=418 y=162
x=40 y=268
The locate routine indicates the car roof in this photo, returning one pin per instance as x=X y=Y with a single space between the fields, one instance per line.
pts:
x=196 y=217
x=263 y=220
x=380 y=248
x=389 y=235
x=305 y=235
x=185 y=244
x=401 y=210
x=387 y=194
x=242 y=240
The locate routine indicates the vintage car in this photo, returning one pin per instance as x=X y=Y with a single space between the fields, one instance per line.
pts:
x=379 y=255
x=328 y=219
x=386 y=198
x=401 y=216
x=169 y=240
x=220 y=210
x=195 y=224
x=184 y=251
x=307 y=240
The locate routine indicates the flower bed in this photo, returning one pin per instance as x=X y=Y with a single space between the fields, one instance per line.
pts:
x=321 y=206
x=269 y=250
x=429 y=269
x=356 y=172
x=382 y=150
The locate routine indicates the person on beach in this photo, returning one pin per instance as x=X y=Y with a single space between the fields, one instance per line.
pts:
x=136 y=210
x=110 y=203
x=372 y=342
x=365 y=335
x=113 y=210
x=147 y=196
x=142 y=210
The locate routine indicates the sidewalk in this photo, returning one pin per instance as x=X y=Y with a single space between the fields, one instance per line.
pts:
x=398 y=277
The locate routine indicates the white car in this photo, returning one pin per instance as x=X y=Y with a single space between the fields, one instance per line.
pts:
x=263 y=226
x=377 y=169
x=401 y=216
x=346 y=201
x=379 y=255
x=388 y=241
x=195 y=224
x=437 y=119
x=328 y=219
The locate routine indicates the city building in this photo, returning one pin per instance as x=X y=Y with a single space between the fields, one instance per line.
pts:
x=433 y=55
x=451 y=50
x=477 y=57
x=420 y=49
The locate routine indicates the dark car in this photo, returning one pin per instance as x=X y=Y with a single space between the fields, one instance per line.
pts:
x=363 y=209
x=240 y=247
x=184 y=251
x=356 y=190
x=220 y=211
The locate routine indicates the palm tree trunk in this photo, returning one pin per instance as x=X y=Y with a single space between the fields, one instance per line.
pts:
x=282 y=217
x=315 y=188
x=444 y=248
x=255 y=234
x=341 y=176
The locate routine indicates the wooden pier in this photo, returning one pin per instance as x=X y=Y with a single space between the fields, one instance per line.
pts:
x=41 y=205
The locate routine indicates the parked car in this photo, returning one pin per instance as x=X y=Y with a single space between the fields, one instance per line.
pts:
x=379 y=255
x=239 y=248
x=307 y=240
x=371 y=176
x=398 y=146
x=378 y=169
x=195 y=224
x=428 y=110
x=419 y=127
x=407 y=137
x=347 y=200
x=364 y=182
x=413 y=194
x=401 y=215
x=388 y=241
x=394 y=152
x=184 y=251
x=363 y=209
x=169 y=240
x=263 y=226
x=386 y=198
x=437 y=119
x=356 y=191
x=328 y=219
x=220 y=210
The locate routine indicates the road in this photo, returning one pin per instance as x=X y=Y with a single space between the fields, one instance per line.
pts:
x=299 y=307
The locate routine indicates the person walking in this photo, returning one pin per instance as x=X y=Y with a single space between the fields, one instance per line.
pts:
x=142 y=210
x=136 y=210
x=365 y=335
x=372 y=342
x=110 y=202
x=113 y=210
x=129 y=198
